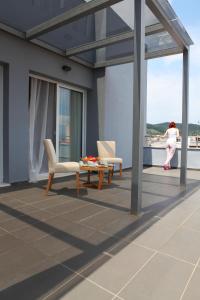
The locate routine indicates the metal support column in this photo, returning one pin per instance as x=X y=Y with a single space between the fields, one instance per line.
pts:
x=100 y=33
x=138 y=106
x=183 y=175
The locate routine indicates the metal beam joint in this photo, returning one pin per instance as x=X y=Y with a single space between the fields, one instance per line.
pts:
x=158 y=11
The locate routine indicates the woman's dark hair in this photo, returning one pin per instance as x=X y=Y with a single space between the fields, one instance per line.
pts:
x=172 y=125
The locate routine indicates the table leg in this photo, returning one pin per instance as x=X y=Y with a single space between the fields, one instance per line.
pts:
x=113 y=171
x=110 y=176
x=88 y=177
x=101 y=175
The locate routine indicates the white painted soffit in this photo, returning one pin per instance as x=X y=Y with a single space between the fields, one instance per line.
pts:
x=125 y=10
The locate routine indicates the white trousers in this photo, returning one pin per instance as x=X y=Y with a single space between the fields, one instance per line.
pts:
x=171 y=148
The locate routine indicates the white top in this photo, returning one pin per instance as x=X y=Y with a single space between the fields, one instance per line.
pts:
x=172 y=134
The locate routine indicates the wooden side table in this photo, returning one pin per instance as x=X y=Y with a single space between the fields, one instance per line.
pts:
x=101 y=170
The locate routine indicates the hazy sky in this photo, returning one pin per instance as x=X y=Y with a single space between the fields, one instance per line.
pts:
x=165 y=74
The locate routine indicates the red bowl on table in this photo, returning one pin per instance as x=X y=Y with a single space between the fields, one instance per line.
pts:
x=90 y=158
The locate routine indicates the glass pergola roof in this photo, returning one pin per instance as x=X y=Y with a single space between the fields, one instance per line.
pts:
x=78 y=28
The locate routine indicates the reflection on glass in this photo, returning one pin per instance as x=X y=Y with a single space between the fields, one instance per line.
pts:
x=70 y=125
x=64 y=125
x=159 y=41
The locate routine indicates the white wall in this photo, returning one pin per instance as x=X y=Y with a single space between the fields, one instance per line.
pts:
x=125 y=10
x=118 y=109
x=23 y=58
x=1 y=124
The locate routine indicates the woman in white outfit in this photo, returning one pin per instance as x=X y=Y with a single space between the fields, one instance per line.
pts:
x=171 y=133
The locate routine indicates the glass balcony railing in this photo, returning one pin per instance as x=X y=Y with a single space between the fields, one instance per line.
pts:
x=157 y=141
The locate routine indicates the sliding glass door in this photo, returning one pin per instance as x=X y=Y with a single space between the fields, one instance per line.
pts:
x=69 y=124
x=56 y=112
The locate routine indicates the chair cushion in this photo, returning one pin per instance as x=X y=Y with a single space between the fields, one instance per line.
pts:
x=67 y=167
x=106 y=148
x=112 y=160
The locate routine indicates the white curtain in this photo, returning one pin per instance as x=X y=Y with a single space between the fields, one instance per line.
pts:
x=41 y=126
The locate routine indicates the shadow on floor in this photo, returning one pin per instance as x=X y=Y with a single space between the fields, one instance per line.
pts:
x=79 y=233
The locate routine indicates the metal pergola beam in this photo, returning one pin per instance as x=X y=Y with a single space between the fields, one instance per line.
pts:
x=114 y=62
x=130 y=58
x=44 y=45
x=156 y=28
x=185 y=102
x=100 y=44
x=12 y=31
x=157 y=10
x=163 y=53
x=69 y=16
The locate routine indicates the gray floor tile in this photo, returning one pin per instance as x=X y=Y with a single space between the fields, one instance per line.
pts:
x=151 y=199
x=103 y=219
x=161 y=189
x=50 y=202
x=38 y=282
x=66 y=207
x=121 y=227
x=16 y=261
x=193 y=291
x=26 y=209
x=33 y=197
x=107 y=201
x=23 y=192
x=12 y=213
x=162 y=278
x=191 y=203
x=68 y=256
x=155 y=236
x=193 y=222
x=69 y=227
x=50 y=245
x=17 y=223
x=117 y=247
x=8 y=242
x=12 y=203
x=117 y=271
x=31 y=233
x=82 y=213
x=4 y=217
x=100 y=240
x=2 y=232
x=83 y=290
x=184 y=244
x=176 y=217
x=77 y=259
x=90 y=264
x=40 y=215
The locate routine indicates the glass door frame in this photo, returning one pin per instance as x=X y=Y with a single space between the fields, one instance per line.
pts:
x=84 y=112
x=84 y=117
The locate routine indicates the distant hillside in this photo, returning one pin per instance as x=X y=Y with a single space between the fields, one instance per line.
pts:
x=157 y=129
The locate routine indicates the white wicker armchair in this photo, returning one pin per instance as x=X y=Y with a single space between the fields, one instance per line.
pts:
x=107 y=153
x=56 y=167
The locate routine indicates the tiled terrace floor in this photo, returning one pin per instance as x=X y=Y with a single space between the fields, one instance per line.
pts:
x=64 y=247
